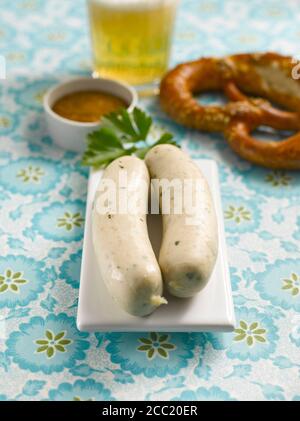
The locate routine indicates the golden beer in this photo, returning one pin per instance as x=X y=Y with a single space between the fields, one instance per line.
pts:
x=131 y=39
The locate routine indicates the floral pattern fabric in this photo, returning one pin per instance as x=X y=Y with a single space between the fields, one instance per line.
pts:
x=42 y=206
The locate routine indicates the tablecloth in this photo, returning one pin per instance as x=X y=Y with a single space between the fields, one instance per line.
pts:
x=42 y=354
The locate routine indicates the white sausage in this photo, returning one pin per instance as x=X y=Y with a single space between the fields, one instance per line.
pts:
x=123 y=250
x=188 y=252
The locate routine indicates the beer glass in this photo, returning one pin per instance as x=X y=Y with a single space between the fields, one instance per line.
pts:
x=131 y=39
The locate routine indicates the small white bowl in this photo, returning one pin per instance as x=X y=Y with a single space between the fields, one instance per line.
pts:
x=70 y=134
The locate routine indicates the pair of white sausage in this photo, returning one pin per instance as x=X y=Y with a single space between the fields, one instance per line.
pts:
x=124 y=253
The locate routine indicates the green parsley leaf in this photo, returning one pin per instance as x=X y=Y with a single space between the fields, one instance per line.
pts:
x=143 y=122
x=103 y=146
x=121 y=120
x=121 y=133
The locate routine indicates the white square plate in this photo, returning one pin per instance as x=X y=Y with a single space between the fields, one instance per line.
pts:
x=210 y=310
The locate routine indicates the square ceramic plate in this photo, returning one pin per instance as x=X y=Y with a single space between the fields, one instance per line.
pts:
x=210 y=310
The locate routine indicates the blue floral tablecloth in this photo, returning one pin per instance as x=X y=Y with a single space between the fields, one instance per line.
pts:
x=42 y=354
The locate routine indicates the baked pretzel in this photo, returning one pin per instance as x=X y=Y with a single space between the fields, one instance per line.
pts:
x=253 y=82
x=267 y=77
x=178 y=87
x=282 y=155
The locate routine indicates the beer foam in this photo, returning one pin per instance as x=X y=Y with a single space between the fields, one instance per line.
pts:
x=133 y=4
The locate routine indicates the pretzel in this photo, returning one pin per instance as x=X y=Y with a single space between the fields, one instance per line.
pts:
x=282 y=155
x=207 y=74
x=251 y=82
x=267 y=77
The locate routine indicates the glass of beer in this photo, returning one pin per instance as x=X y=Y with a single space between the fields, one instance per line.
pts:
x=131 y=39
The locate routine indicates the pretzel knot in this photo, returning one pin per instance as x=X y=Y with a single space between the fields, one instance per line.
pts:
x=251 y=82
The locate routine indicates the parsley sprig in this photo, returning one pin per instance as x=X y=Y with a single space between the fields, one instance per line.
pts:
x=121 y=133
